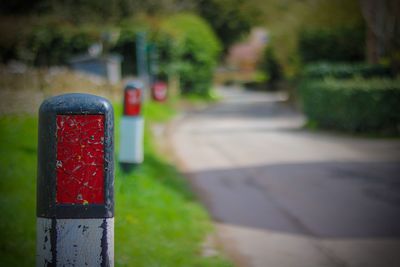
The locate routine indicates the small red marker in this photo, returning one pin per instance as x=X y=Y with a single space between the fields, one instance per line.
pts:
x=159 y=91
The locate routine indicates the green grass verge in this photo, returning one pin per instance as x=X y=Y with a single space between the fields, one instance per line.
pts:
x=157 y=220
x=210 y=97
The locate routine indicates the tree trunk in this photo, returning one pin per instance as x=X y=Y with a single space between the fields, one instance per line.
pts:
x=372 y=47
x=383 y=30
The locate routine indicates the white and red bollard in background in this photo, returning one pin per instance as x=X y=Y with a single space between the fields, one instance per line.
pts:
x=159 y=91
x=75 y=183
x=132 y=126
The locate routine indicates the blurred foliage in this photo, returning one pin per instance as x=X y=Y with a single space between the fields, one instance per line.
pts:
x=231 y=19
x=354 y=105
x=19 y=7
x=192 y=50
x=344 y=70
x=56 y=44
x=99 y=11
x=187 y=48
x=48 y=32
x=187 y=45
x=44 y=42
x=332 y=44
x=285 y=19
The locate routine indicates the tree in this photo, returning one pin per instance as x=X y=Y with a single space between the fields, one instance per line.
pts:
x=383 y=30
x=230 y=19
x=284 y=19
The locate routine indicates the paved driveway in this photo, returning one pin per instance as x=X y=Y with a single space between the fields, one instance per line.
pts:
x=283 y=196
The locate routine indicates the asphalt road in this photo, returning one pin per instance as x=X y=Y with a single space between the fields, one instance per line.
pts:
x=281 y=195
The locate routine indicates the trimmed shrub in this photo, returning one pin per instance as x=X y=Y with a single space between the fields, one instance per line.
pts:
x=193 y=52
x=344 y=70
x=332 y=44
x=355 y=105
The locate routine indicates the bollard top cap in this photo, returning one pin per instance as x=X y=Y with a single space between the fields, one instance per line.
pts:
x=134 y=84
x=76 y=103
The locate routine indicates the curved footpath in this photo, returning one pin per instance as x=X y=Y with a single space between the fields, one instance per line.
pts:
x=283 y=196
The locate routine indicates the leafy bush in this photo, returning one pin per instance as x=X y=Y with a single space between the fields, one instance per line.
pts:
x=55 y=44
x=188 y=47
x=335 y=44
x=192 y=53
x=344 y=70
x=355 y=105
x=45 y=41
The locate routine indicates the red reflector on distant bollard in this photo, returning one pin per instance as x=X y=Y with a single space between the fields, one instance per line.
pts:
x=75 y=183
x=132 y=127
x=132 y=103
x=159 y=91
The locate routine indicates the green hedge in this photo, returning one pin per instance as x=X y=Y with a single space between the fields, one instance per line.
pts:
x=355 y=105
x=340 y=44
x=344 y=70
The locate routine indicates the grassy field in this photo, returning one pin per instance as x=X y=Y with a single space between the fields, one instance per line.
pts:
x=158 y=222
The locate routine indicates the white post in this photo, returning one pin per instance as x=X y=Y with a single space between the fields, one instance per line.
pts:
x=132 y=126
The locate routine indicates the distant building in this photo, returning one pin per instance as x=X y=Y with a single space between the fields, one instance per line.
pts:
x=246 y=55
x=108 y=67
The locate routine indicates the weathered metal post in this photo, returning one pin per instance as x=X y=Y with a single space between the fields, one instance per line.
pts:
x=75 y=182
x=142 y=62
x=132 y=126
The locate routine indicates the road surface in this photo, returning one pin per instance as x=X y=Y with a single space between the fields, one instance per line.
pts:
x=284 y=196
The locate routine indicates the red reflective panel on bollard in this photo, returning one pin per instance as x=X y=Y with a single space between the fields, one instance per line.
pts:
x=80 y=159
x=132 y=102
x=159 y=91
